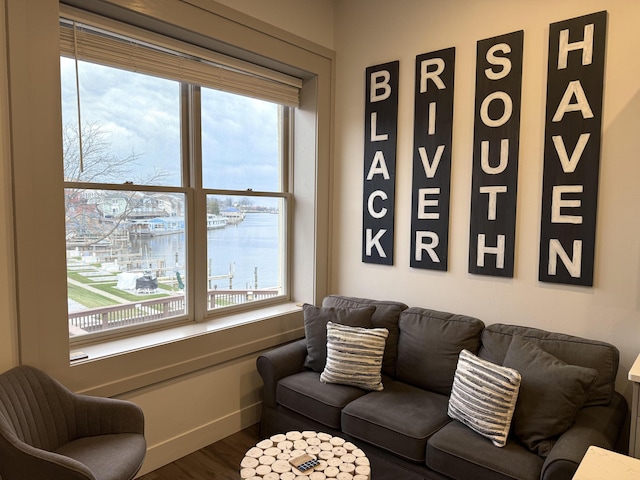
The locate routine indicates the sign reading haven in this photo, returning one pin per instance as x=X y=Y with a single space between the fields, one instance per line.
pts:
x=572 y=149
x=432 y=140
x=495 y=155
x=380 y=138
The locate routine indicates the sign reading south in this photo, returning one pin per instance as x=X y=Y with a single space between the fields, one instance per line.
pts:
x=495 y=155
x=572 y=149
x=380 y=138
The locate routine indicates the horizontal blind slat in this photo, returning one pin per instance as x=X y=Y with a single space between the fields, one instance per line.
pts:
x=129 y=55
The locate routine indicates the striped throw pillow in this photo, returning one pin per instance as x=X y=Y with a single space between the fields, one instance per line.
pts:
x=483 y=396
x=354 y=356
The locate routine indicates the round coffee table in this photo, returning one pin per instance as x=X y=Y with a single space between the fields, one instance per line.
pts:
x=339 y=459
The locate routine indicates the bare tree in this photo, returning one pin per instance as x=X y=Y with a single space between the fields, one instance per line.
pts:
x=94 y=215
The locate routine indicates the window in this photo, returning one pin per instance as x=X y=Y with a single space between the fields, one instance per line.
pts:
x=201 y=338
x=176 y=188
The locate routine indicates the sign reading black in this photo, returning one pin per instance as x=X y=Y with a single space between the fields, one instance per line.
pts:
x=432 y=140
x=495 y=155
x=380 y=138
x=572 y=149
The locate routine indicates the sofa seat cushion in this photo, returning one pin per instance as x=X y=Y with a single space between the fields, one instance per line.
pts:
x=399 y=419
x=459 y=453
x=305 y=394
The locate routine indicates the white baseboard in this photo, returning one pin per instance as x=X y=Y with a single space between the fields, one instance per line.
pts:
x=188 y=442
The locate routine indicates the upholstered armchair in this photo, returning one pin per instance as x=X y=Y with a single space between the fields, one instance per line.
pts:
x=48 y=432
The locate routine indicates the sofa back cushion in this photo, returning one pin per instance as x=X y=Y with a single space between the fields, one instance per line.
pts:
x=572 y=350
x=386 y=316
x=429 y=345
x=315 y=329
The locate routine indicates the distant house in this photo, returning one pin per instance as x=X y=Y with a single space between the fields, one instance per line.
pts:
x=232 y=214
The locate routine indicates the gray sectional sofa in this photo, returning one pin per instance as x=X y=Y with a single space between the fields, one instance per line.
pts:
x=406 y=430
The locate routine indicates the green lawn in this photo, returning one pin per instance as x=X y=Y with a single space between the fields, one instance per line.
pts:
x=87 y=298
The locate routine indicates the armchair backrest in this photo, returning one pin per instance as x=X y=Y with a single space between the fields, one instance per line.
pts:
x=35 y=409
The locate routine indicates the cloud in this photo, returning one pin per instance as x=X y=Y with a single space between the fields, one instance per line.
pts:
x=140 y=114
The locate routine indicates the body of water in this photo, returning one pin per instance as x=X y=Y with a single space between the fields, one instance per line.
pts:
x=241 y=248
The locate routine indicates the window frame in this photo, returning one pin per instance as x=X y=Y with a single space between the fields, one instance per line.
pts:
x=35 y=106
x=196 y=295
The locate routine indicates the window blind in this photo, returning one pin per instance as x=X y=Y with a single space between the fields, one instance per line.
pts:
x=174 y=60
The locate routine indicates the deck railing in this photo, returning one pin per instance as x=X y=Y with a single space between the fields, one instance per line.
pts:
x=96 y=319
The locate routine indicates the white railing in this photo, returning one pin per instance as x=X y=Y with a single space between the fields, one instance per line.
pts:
x=96 y=319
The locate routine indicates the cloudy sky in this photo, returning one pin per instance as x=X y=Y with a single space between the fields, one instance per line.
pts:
x=140 y=114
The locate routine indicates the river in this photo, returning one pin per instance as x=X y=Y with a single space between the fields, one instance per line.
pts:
x=250 y=244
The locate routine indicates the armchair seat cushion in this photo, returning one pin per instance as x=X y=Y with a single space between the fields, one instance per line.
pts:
x=110 y=457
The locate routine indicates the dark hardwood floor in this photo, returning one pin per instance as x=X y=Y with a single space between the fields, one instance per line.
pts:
x=218 y=461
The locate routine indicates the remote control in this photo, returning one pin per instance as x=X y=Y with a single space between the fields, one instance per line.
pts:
x=304 y=462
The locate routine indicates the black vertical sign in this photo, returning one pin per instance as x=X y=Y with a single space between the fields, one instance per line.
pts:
x=495 y=155
x=380 y=138
x=432 y=140
x=572 y=149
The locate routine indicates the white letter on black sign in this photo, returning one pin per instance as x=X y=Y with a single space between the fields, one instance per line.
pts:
x=586 y=45
x=375 y=136
x=423 y=203
x=430 y=168
x=375 y=242
x=557 y=203
x=506 y=114
x=504 y=62
x=383 y=85
x=504 y=157
x=569 y=164
x=582 y=104
x=493 y=192
x=433 y=75
x=572 y=265
x=370 y=207
x=378 y=167
x=429 y=247
x=498 y=251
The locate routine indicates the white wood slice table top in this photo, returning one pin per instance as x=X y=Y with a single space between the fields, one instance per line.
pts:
x=339 y=459
x=601 y=464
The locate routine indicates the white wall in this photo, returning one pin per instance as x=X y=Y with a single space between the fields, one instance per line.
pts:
x=371 y=32
x=309 y=19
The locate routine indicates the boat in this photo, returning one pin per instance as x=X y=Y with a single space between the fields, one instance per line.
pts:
x=169 y=225
x=156 y=226
x=215 y=221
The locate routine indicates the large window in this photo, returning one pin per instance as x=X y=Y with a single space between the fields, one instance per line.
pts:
x=176 y=182
x=208 y=333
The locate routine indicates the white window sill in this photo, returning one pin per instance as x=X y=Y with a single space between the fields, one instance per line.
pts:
x=156 y=356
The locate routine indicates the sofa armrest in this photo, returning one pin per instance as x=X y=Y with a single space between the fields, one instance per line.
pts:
x=279 y=363
x=598 y=426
